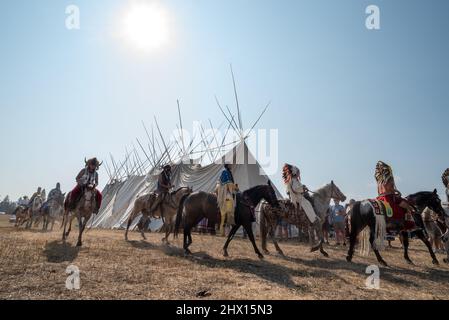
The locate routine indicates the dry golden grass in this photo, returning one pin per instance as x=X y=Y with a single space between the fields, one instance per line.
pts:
x=33 y=264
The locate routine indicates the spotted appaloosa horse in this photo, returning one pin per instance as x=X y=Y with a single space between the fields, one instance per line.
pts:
x=321 y=198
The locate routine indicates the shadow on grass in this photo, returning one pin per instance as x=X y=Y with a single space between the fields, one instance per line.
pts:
x=57 y=252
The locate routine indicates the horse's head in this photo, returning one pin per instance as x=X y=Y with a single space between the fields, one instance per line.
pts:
x=37 y=203
x=336 y=193
x=434 y=203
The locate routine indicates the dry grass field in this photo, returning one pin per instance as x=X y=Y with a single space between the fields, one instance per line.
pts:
x=33 y=264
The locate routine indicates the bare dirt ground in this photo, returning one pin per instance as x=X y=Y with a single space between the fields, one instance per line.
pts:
x=33 y=265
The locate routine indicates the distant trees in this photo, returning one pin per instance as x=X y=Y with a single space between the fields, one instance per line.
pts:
x=7 y=205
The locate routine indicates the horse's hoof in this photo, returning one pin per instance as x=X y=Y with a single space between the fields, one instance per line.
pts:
x=313 y=249
x=79 y=244
x=445 y=260
x=324 y=253
x=349 y=259
x=225 y=254
x=187 y=252
x=281 y=253
x=435 y=262
x=266 y=251
x=383 y=263
x=260 y=256
x=410 y=262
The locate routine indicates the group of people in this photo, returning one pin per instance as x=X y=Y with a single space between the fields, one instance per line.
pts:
x=88 y=176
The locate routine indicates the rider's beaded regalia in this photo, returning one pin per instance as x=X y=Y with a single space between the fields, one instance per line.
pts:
x=391 y=197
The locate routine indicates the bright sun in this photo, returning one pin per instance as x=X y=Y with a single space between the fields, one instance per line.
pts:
x=146 y=26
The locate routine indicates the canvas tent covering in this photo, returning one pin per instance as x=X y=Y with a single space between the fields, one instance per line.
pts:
x=119 y=197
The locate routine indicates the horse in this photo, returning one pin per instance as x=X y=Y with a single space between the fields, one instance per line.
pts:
x=244 y=212
x=321 y=198
x=83 y=212
x=362 y=216
x=33 y=211
x=167 y=211
x=196 y=206
x=21 y=213
x=51 y=211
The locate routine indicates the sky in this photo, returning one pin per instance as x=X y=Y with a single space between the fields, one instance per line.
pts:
x=342 y=96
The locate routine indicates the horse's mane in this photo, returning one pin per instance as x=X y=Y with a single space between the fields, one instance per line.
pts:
x=255 y=189
x=179 y=189
x=422 y=193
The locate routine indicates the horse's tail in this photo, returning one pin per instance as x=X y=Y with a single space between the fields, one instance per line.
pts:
x=179 y=215
x=263 y=226
x=380 y=232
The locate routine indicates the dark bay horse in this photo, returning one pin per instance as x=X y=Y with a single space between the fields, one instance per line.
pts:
x=244 y=212
x=362 y=215
x=196 y=206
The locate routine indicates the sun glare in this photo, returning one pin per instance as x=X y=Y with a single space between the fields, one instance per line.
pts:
x=146 y=26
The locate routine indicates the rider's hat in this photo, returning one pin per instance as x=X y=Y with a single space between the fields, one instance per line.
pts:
x=93 y=161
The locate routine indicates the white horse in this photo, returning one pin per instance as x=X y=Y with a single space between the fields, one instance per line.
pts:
x=52 y=211
x=33 y=211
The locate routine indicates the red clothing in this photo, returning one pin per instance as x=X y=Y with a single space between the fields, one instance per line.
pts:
x=399 y=213
x=76 y=193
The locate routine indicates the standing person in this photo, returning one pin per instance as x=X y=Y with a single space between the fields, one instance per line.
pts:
x=429 y=218
x=327 y=226
x=338 y=215
x=226 y=190
x=87 y=176
x=445 y=178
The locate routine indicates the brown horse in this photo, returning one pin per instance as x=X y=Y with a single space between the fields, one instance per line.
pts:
x=197 y=206
x=21 y=213
x=167 y=211
x=83 y=212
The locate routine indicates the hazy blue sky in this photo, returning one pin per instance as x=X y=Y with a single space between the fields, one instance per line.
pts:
x=342 y=96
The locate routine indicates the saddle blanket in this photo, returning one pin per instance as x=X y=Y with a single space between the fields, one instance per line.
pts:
x=396 y=216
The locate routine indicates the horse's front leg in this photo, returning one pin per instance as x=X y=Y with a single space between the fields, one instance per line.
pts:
x=273 y=238
x=249 y=231
x=405 y=244
x=422 y=237
x=230 y=237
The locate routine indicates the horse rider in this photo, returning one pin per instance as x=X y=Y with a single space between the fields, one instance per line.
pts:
x=445 y=178
x=226 y=193
x=35 y=195
x=87 y=176
x=387 y=191
x=23 y=202
x=54 y=194
x=164 y=185
x=298 y=193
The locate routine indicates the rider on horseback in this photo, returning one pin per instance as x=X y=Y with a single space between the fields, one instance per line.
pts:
x=88 y=176
x=226 y=191
x=164 y=186
x=55 y=194
x=298 y=193
x=388 y=193
x=35 y=195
